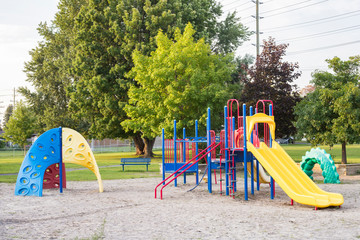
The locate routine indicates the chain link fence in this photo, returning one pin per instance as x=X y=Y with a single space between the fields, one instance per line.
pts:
x=12 y=152
x=97 y=146
x=111 y=145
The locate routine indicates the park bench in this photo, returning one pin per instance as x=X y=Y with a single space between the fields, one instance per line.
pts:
x=136 y=161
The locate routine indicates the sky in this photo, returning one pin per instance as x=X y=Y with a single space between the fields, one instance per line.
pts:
x=18 y=35
x=311 y=28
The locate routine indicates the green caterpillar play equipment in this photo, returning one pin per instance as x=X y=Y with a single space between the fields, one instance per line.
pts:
x=317 y=155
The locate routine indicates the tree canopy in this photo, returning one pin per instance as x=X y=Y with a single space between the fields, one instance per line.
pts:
x=20 y=126
x=331 y=114
x=271 y=78
x=80 y=69
x=49 y=71
x=177 y=81
x=7 y=114
x=109 y=32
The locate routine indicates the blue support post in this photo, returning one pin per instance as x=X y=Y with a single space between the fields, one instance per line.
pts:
x=252 y=158
x=163 y=153
x=184 y=152
x=61 y=162
x=233 y=134
x=233 y=131
x=245 y=154
x=208 y=128
x=272 y=183
x=257 y=163
x=197 y=151
x=175 y=167
x=226 y=153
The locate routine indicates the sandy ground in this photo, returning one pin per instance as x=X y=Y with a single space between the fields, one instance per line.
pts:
x=127 y=210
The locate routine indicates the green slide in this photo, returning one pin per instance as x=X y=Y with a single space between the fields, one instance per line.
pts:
x=317 y=155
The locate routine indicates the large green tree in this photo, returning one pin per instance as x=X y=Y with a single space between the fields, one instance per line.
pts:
x=20 y=126
x=108 y=33
x=272 y=78
x=49 y=71
x=331 y=114
x=178 y=81
x=79 y=69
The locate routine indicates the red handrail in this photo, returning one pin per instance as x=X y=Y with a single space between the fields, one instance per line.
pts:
x=211 y=148
x=161 y=191
x=229 y=119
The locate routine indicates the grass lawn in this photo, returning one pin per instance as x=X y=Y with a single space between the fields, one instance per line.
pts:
x=11 y=163
x=296 y=151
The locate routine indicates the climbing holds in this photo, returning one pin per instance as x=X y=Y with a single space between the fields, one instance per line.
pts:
x=37 y=160
x=43 y=158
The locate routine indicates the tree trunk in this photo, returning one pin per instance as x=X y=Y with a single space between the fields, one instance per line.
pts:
x=24 y=149
x=149 y=144
x=139 y=144
x=343 y=153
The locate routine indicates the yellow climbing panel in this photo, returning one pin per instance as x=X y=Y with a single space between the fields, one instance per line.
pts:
x=76 y=150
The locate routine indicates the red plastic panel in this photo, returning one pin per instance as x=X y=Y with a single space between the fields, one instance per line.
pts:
x=51 y=177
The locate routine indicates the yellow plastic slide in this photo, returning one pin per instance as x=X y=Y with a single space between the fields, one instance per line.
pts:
x=263 y=177
x=296 y=184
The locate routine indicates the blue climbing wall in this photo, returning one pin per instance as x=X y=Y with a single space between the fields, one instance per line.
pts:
x=43 y=153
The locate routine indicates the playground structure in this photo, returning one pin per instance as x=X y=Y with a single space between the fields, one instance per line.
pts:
x=327 y=165
x=43 y=164
x=239 y=141
x=185 y=149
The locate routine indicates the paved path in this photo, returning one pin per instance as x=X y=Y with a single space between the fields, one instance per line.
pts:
x=67 y=169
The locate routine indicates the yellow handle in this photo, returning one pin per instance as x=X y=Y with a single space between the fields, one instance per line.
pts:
x=259 y=118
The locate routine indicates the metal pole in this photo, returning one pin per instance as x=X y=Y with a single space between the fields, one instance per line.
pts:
x=196 y=150
x=184 y=152
x=245 y=154
x=272 y=182
x=226 y=152
x=175 y=167
x=257 y=162
x=233 y=131
x=234 y=145
x=209 y=154
x=257 y=30
x=61 y=162
x=252 y=158
x=163 y=153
